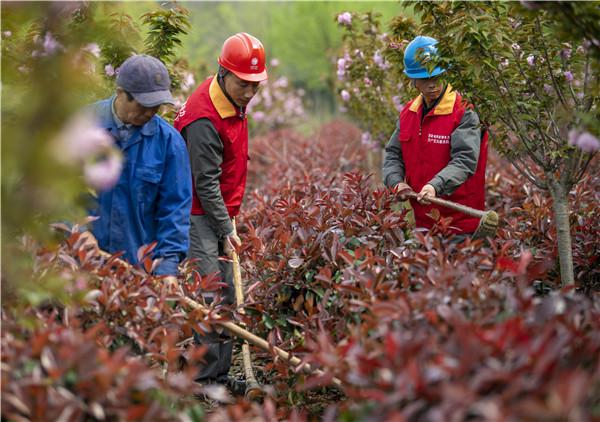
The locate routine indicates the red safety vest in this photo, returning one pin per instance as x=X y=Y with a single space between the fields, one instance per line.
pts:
x=209 y=102
x=426 y=151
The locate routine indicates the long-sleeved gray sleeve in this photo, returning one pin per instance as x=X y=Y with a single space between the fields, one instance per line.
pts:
x=465 y=142
x=393 y=163
x=206 y=156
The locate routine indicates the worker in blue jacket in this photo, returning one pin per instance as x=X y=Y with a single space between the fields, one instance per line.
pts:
x=152 y=199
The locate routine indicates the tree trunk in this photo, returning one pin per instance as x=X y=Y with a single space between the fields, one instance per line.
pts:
x=563 y=231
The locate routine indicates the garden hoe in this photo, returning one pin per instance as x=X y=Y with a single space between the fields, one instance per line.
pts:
x=488 y=220
x=243 y=334
x=253 y=389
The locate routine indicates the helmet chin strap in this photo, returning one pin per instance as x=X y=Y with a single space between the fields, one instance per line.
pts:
x=222 y=72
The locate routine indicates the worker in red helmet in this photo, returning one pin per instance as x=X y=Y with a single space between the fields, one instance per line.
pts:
x=214 y=125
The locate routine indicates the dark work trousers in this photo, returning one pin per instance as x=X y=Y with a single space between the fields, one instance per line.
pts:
x=206 y=248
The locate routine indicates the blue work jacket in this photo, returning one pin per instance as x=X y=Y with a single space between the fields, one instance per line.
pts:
x=152 y=199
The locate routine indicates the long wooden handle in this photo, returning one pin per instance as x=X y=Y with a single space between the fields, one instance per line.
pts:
x=244 y=334
x=253 y=389
x=452 y=205
x=260 y=342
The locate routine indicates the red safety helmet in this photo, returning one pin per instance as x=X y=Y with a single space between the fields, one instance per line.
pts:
x=244 y=56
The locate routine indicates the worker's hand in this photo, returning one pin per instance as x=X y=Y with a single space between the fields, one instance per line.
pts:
x=402 y=189
x=89 y=240
x=172 y=283
x=428 y=191
x=231 y=243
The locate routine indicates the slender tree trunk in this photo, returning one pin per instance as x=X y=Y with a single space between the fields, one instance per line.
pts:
x=563 y=231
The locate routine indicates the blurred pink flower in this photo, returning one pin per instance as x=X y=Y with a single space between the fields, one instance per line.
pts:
x=585 y=141
x=531 y=5
x=281 y=82
x=80 y=139
x=93 y=48
x=345 y=95
x=548 y=89
x=566 y=53
x=7 y=34
x=104 y=174
x=188 y=81
x=109 y=70
x=516 y=47
x=397 y=103
x=380 y=61
x=258 y=116
x=568 y=76
x=274 y=62
x=531 y=60
x=367 y=140
x=367 y=81
x=50 y=44
x=345 y=18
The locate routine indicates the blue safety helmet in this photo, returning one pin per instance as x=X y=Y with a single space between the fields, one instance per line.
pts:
x=418 y=52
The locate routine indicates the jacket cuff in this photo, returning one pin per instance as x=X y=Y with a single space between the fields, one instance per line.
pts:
x=392 y=180
x=437 y=184
x=168 y=266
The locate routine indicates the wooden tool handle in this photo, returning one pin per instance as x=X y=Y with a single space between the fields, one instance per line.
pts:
x=244 y=334
x=253 y=388
x=452 y=205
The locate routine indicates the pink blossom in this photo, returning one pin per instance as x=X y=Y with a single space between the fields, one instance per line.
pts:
x=188 y=82
x=380 y=61
x=7 y=34
x=281 y=82
x=80 y=139
x=341 y=68
x=345 y=95
x=274 y=62
x=516 y=47
x=50 y=44
x=566 y=53
x=367 y=81
x=531 y=5
x=568 y=76
x=258 y=116
x=178 y=102
x=104 y=174
x=109 y=70
x=585 y=141
x=397 y=103
x=548 y=89
x=345 y=18
x=93 y=48
x=531 y=60
x=367 y=140
x=342 y=109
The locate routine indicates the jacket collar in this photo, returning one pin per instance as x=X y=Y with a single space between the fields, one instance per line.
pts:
x=445 y=106
x=220 y=101
x=106 y=120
